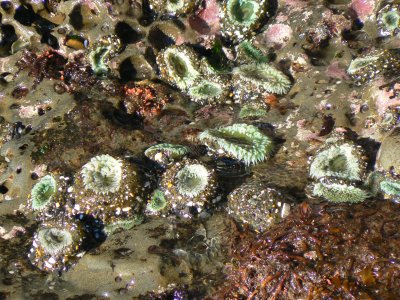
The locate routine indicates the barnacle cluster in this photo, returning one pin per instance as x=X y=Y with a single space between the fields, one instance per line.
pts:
x=240 y=141
x=388 y=20
x=338 y=170
x=258 y=204
x=173 y=7
x=371 y=65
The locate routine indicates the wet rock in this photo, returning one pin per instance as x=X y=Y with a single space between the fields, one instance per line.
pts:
x=388 y=158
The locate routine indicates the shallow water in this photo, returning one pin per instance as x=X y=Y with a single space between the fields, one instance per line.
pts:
x=59 y=109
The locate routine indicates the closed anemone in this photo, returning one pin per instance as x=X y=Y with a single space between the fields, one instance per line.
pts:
x=241 y=141
x=166 y=153
x=192 y=180
x=54 y=240
x=338 y=191
x=102 y=174
x=261 y=78
x=341 y=160
x=42 y=192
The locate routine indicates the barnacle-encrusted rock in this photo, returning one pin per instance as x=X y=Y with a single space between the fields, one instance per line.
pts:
x=259 y=205
x=338 y=190
x=240 y=141
x=341 y=159
x=188 y=183
x=254 y=80
x=179 y=66
x=107 y=188
x=173 y=7
x=240 y=17
x=56 y=246
x=165 y=153
x=102 y=51
x=388 y=20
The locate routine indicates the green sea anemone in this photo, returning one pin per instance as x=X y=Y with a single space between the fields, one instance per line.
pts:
x=43 y=192
x=247 y=53
x=166 y=153
x=108 y=188
x=258 y=204
x=157 y=202
x=388 y=20
x=56 y=245
x=240 y=141
x=342 y=159
x=211 y=89
x=188 y=183
x=123 y=224
x=390 y=187
x=240 y=17
x=337 y=190
x=253 y=110
x=54 y=240
x=179 y=65
x=101 y=52
x=252 y=81
x=102 y=174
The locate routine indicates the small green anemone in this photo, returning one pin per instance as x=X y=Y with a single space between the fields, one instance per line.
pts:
x=179 y=65
x=157 y=202
x=342 y=159
x=166 y=153
x=102 y=174
x=253 y=110
x=121 y=225
x=54 y=240
x=210 y=89
x=101 y=52
x=192 y=180
x=241 y=141
x=248 y=53
x=43 y=192
x=260 y=78
x=388 y=20
x=338 y=191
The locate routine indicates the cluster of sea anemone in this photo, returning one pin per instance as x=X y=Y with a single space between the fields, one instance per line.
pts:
x=338 y=170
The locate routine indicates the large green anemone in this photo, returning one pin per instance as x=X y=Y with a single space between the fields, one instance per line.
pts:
x=179 y=65
x=390 y=187
x=240 y=141
x=240 y=17
x=102 y=174
x=192 y=180
x=336 y=190
x=260 y=78
x=342 y=159
x=43 y=192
